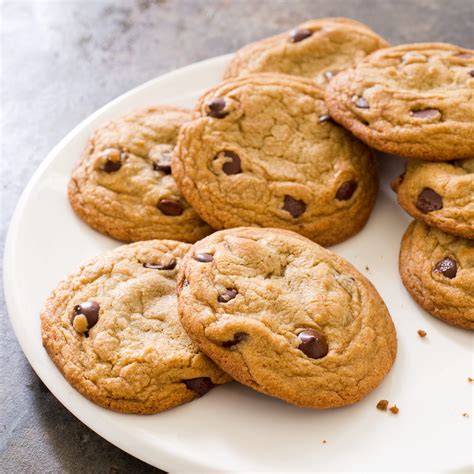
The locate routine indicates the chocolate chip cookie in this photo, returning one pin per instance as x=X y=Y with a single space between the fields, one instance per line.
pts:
x=438 y=271
x=123 y=186
x=263 y=151
x=112 y=329
x=317 y=49
x=286 y=317
x=440 y=194
x=414 y=100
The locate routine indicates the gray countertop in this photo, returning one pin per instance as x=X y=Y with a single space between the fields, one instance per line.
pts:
x=59 y=62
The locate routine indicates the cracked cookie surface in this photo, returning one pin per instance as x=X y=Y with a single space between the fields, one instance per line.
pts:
x=123 y=187
x=262 y=151
x=285 y=316
x=440 y=194
x=112 y=329
x=438 y=271
x=316 y=49
x=414 y=100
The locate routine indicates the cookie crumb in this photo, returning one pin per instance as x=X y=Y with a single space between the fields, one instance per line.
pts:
x=382 y=405
x=324 y=441
x=367 y=268
x=394 y=409
x=470 y=379
x=465 y=415
x=421 y=333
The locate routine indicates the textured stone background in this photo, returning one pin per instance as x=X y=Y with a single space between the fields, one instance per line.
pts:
x=59 y=62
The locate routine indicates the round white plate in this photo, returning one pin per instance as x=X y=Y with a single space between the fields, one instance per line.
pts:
x=233 y=427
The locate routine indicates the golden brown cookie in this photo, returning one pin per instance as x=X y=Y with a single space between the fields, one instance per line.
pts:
x=123 y=187
x=262 y=151
x=438 y=271
x=440 y=194
x=286 y=317
x=414 y=100
x=112 y=329
x=316 y=49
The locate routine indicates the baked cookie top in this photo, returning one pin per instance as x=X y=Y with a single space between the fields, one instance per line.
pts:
x=438 y=271
x=123 y=187
x=415 y=100
x=262 y=151
x=112 y=329
x=285 y=316
x=316 y=49
x=440 y=194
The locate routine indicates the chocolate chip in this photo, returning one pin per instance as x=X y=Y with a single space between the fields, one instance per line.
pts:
x=110 y=166
x=312 y=344
x=229 y=294
x=325 y=118
x=428 y=201
x=295 y=207
x=362 y=103
x=448 y=267
x=232 y=166
x=170 y=208
x=238 y=337
x=471 y=72
x=203 y=257
x=88 y=309
x=425 y=113
x=113 y=159
x=161 y=266
x=346 y=190
x=299 y=35
x=163 y=164
x=200 y=385
x=217 y=108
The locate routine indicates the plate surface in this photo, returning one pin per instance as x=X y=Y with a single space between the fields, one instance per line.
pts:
x=234 y=428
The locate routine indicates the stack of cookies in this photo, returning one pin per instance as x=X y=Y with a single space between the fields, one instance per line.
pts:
x=261 y=176
x=417 y=101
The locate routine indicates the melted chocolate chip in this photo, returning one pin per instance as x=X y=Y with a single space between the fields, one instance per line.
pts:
x=299 y=35
x=170 y=208
x=217 y=108
x=325 y=118
x=238 y=337
x=362 y=103
x=346 y=190
x=425 y=113
x=448 y=267
x=203 y=257
x=200 y=385
x=161 y=266
x=110 y=166
x=295 y=207
x=312 y=344
x=233 y=165
x=228 y=295
x=90 y=309
x=428 y=201
x=471 y=72
x=163 y=164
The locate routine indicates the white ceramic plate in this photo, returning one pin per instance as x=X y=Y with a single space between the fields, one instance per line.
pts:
x=234 y=428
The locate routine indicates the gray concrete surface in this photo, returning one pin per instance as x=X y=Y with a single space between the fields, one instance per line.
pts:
x=60 y=61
